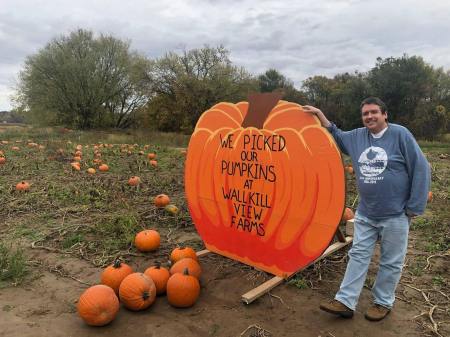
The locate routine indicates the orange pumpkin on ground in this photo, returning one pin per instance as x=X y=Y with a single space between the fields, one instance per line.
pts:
x=183 y=289
x=279 y=160
x=76 y=166
x=191 y=264
x=172 y=209
x=348 y=214
x=137 y=291
x=182 y=252
x=23 y=186
x=154 y=163
x=91 y=170
x=151 y=155
x=77 y=158
x=2 y=160
x=161 y=200
x=103 y=168
x=114 y=274
x=98 y=305
x=160 y=276
x=147 y=240
x=134 y=181
x=430 y=196
x=349 y=169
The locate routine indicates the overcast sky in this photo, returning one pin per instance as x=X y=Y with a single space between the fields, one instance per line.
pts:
x=299 y=38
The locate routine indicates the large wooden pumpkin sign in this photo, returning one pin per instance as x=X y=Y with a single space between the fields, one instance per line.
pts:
x=264 y=183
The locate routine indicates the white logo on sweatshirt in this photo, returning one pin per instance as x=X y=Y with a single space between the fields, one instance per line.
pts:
x=372 y=162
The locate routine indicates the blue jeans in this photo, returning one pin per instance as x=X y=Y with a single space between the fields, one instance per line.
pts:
x=393 y=235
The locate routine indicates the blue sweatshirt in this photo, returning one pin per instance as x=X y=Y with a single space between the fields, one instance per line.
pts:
x=392 y=173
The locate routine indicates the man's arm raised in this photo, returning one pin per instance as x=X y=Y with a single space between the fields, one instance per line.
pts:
x=314 y=111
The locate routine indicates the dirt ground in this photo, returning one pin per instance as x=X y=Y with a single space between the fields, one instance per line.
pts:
x=46 y=305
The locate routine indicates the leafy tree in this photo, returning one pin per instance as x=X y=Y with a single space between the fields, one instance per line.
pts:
x=82 y=81
x=186 y=85
x=272 y=80
x=431 y=121
x=348 y=92
x=402 y=83
x=319 y=92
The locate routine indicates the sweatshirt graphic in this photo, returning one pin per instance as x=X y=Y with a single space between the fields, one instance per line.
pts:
x=393 y=175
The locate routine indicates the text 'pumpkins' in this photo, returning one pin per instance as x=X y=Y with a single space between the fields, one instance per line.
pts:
x=265 y=183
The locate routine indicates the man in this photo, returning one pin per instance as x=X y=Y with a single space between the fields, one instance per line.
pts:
x=393 y=179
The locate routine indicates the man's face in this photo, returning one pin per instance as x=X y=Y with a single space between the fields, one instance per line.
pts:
x=373 y=118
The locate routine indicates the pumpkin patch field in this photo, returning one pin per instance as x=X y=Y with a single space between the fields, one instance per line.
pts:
x=96 y=240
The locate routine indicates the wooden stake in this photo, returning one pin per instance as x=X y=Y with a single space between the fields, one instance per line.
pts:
x=264 y=288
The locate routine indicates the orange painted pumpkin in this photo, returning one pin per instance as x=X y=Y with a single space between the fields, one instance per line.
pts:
x=114 y=274
x=348 y=214
x=191 y=264
x=161 y=200
x=183 y=289
x=265 y=185
x=160 y=276
x=137 y=291
x=23 y=186
x=98 y=305
x=134 y=181
x=181 y=252
x=147 y=240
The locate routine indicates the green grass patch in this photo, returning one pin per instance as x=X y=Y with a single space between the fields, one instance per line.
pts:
x=12 y=265
x=299 y=282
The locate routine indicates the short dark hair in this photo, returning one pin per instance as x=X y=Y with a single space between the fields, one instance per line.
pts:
x=374 y=100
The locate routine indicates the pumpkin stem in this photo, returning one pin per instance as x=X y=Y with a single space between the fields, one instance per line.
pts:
x=259 y=107
x=157 y=265
x=117 y=263
x=186 y=271
x=145 y=295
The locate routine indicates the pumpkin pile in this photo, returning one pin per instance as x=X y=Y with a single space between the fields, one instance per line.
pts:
x=99 y=304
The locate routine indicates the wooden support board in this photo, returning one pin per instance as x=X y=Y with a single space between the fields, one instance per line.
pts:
x=264 y=288
x=203 y=252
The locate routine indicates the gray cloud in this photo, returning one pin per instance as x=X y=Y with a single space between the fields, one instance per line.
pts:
x=301 y=39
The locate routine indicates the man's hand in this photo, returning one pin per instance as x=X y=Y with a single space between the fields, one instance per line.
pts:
x=410 y=214
x=311 y=109
x=317 y=112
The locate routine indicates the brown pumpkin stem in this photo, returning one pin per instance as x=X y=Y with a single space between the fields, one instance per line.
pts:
x=157 y=265
x=259 y=107
x=117 y=263
x=145 y=295
x=186 y=271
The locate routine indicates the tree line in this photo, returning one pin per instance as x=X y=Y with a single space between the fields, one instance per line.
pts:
x=85 y=81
